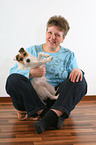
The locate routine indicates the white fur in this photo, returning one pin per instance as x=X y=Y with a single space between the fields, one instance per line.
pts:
x=43 y=89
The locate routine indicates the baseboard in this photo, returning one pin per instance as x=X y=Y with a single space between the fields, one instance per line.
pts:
x=5 y=99
x=89 y=98
x=85 y=98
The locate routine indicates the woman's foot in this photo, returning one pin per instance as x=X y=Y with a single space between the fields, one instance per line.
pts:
x=22 y=115
x=48 y=120
x=60 y=122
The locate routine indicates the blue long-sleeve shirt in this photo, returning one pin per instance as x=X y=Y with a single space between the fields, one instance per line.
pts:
x=57 y=70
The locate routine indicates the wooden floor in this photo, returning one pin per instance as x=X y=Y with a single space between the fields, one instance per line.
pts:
x=79 y=129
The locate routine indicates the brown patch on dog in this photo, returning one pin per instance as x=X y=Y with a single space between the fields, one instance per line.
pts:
x=19 y=58
x=23 y=52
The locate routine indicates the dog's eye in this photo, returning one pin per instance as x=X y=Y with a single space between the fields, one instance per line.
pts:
x=25 y=54
x=21 y=59
x=28 y=60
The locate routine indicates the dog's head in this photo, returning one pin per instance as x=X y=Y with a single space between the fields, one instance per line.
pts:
x=23 y=57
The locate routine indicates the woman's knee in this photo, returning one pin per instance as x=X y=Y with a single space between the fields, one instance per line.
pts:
x=15 y=78
x=11 y=79
x=83 y=83
x=68 y=85
x=80 y=88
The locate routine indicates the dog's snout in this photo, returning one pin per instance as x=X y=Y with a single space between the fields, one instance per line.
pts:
x=28 y=60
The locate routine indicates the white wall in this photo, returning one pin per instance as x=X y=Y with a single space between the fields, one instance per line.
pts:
x=23 y=23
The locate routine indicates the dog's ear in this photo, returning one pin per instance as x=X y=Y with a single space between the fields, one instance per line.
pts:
x=21 y=50
x=16 y=58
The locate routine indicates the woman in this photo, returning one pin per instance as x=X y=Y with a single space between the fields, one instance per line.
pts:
x=62 y=72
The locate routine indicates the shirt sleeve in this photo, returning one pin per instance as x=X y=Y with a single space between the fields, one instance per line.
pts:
x=72 y=63
x=15 y=69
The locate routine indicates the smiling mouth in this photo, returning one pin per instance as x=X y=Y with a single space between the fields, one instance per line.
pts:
x=52 y=42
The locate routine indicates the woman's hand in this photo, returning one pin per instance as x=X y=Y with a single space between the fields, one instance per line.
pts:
x=38 y=72
x=76 y=75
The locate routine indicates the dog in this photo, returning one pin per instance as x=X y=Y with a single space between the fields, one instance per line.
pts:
x=40 y=84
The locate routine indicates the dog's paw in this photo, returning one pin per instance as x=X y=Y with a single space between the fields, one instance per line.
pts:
x=50 y=58
x=47 y=55
x=43 y=54
x=44 y=59
x=56 y=97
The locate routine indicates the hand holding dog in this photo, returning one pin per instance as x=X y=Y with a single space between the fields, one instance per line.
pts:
x=38 y=72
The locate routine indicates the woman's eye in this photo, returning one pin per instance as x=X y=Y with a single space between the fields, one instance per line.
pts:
x=58 y=35
x=50 y=32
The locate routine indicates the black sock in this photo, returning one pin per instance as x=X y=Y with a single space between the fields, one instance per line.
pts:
x=60 y=121
x=47 y=121
x=44 y=112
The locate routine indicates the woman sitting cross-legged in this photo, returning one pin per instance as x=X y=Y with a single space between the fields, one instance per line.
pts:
x=62 y=72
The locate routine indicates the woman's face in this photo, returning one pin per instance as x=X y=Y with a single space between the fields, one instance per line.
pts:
x=54 y=37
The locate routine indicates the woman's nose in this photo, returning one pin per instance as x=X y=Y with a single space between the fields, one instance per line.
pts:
x=53 y=36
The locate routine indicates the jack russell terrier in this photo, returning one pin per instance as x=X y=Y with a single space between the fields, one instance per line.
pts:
x=40 y=84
